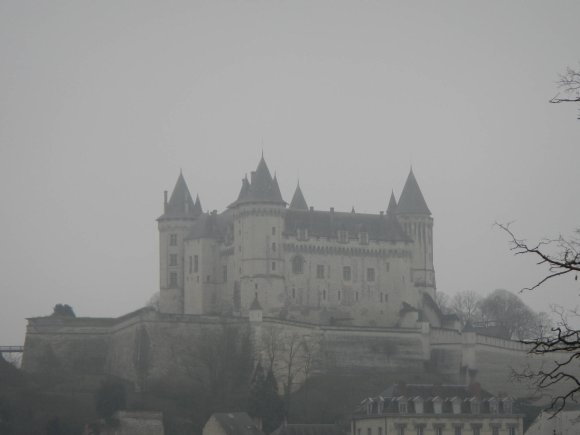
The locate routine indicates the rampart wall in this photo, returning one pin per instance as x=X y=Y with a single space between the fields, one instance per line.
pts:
x=146 y=345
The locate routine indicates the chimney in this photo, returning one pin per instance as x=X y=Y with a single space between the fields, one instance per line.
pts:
x=311 y=208
x=165 y=200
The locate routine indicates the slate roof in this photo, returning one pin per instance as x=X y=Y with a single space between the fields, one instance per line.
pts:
x=411 y=200
x=262 y=188
x=180 y=204
x=210 y=226
x=298 y=202
x=392 y=207
x=328 y=223
x=237 y=423
x=444 y=391
x=309 y=429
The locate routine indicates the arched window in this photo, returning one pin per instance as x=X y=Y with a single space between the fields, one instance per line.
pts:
x=297 y=264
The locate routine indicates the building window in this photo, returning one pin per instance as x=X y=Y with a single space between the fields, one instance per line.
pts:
x=420 y=429
x=457 y=430
x=402 y=407
x=400 y=429
x=475 y=407
x=382 y=296
x=273 y=265
x=273 y=231
x=371 y=274
x=324 y=294
x=495 y=430
x=438 y=430
x=346 y=273
x=339 y=295
x=476 y=428
x=356 y=296
x=380 y=431
x=190 y=263
x=387 y=266
x=195 y=263
x=297 y=264
x=320 y=271
x=256 y=286
x=173 y=280
x=302 y=234
x=364 y=238
x=493 y=408
x=512 y=430
x=225 y=273
x=173 y=240
x=173 y=259
x=369 y=431
x=343 y=236
x=273 y=247
x=208 y=278
x=507 y=406
x=293 y=293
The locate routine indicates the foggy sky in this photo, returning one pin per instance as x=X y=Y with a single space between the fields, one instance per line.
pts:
x=102 y=103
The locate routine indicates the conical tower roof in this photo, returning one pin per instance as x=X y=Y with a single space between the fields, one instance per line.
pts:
x=392 y=207
x=197 y=209
x=261 y=188
x=180 y=204
x=411 y=200
x=298 y=202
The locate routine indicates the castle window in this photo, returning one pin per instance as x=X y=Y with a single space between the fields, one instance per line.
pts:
x=400 y=429
x=339 y=295
x=438 y=429
x=420 y=429
x=225 y=273
x=387 y=266
x=208 y=278
x=476 y=428
x=324 y=294
x=173 y=280
x=364 y=238
x=302 y=234
x=297 y=264
x=256 y=286
x=475 y=406
x=273 y=247
x=369 y=431
x=273 y=265
x=493 y=408
x=273 y=231
x=173 y=259
x=356 y=296
x=370 y=274
x=346 y=273
x=512 y=430
x=507 y=405
x=190 y=264
x=320 y=271
x=173 y=240
x=342 y=236
x=380 y=431
x=495 y=430
x=293 y=293
x=195 y=263
x=457 y=430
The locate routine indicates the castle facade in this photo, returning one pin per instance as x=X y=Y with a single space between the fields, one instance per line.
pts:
x=295 y=262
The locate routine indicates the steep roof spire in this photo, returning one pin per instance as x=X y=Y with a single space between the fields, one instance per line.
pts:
x=180 y=204
x=298 y=202
x=392 y=207
x=197 y=209
x=261 y=188
x=411 y=200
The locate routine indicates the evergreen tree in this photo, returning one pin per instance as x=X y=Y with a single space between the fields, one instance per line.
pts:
x=265 y=403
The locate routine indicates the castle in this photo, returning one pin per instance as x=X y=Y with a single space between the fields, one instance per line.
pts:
x=297 y=262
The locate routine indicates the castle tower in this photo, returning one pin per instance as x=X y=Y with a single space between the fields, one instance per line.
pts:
x=258 y=223
x=415 y=218
x=298 y=202
x=180 y=212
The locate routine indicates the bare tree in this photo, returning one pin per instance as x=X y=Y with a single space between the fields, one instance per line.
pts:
x=561 y=256
x=569 y=85
x=467 y=306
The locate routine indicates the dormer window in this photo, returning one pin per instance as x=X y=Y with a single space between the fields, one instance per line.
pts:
x=493 y=406
x=403 y=408
x=364 y=238
x=418 y=401
x=437 y=405
x=369 y=406
x=456 y=405
x=475 y=406
x=507 y=405
x=302 y=234
x=380 y=405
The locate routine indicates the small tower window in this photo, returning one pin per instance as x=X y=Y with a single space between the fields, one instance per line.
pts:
x=173 y=240
x=356 y=296
x=297 y=264
x=190 y=264
x=346 y=273
x=371 y=274
x=273 y=265
x=173 y=259
x=173 y=280
x=320 y=271
x=195 y=263
x=273 y=247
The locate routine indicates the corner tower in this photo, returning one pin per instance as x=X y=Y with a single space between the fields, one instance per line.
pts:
x=179 y=214
x=415 y=218
x=258 y=223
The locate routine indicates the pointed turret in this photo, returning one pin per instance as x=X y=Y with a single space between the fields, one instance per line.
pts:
x=298 y=202
x=392 y=207
x=261 y=188
x=411 y=200
x=197 y=209
x=180 y=204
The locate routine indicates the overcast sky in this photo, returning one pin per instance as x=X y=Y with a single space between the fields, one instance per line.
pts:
x=102 y=103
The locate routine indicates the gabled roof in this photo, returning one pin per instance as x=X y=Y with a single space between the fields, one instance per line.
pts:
x=261 y=188
x=298 y=202
x=180 y=204
x=411 y=200
x=236 y=423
